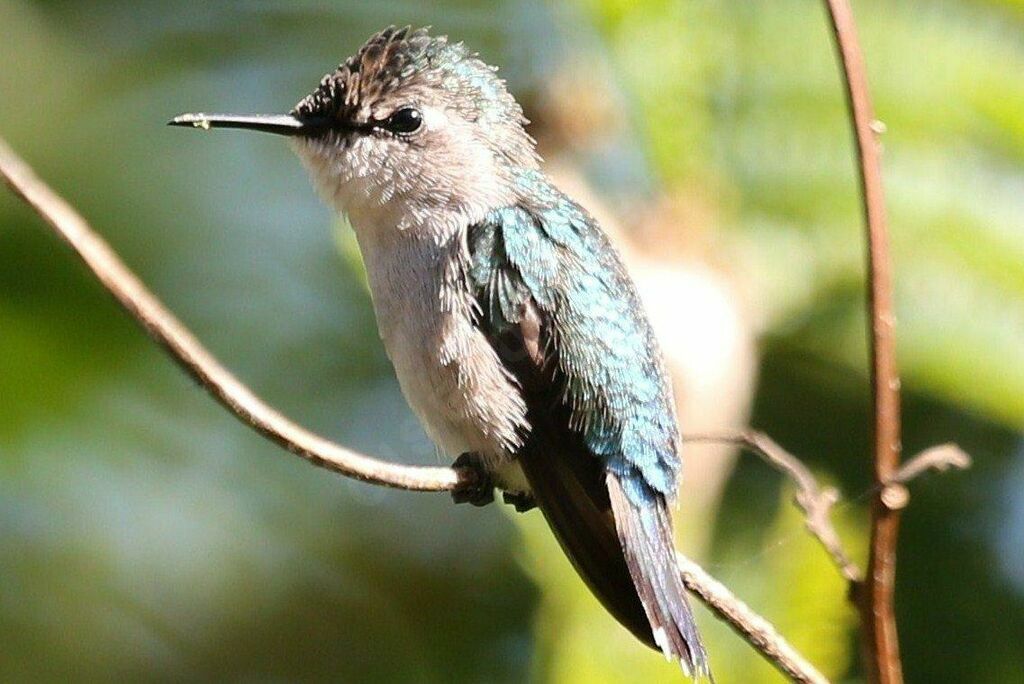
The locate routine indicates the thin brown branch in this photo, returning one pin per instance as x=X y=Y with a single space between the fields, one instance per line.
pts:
x=876 y=596
x=240 y=401
x=815 y=501
x=752 y=627
x=184 y=348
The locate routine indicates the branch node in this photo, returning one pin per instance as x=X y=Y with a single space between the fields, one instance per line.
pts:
x=895 y=496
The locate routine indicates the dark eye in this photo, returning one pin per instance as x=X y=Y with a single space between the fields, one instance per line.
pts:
x=404 y=121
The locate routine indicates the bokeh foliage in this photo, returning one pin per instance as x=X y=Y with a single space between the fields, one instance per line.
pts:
x=144 y=534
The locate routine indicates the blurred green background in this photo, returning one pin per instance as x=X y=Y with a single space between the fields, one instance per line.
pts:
x=146 y=535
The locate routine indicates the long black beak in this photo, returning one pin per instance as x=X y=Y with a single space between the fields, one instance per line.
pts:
x=282 y=124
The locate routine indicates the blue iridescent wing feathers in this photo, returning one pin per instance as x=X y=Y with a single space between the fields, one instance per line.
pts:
x=549 y=250
x=602 y=453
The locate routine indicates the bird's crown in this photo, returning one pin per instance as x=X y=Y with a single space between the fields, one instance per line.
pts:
x=403 y=59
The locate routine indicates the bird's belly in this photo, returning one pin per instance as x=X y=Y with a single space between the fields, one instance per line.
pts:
x=431 y=387
x=464 y=401
x=450 y=375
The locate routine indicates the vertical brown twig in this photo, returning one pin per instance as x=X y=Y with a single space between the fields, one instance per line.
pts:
x=874 y=596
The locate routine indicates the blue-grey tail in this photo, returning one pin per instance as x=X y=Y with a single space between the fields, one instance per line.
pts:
x=645 y=534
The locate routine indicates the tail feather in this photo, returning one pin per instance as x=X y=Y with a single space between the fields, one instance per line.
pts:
x=645 y=535
x=569 y=492
x=625 y=554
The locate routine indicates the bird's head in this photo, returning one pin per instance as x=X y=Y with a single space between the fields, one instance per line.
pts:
x=411 y=126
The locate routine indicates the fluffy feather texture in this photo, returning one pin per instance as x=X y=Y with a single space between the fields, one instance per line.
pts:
x=513 y=327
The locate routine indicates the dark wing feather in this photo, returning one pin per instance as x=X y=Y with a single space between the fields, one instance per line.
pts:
x=567 y=481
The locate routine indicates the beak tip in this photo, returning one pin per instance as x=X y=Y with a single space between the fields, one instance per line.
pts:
x=193 y=120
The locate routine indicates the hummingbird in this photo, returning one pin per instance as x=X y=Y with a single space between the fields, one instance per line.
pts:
x=516 y=334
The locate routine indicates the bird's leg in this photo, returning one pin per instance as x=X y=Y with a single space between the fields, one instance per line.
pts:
x=481 y=492
x=522 y=501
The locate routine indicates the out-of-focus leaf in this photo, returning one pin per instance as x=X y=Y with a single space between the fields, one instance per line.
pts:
x=755 y=104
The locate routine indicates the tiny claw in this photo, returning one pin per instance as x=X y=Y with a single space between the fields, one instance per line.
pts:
x=481 y=492
x=522 y=501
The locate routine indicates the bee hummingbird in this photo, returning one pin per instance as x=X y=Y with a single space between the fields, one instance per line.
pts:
x=516 y=334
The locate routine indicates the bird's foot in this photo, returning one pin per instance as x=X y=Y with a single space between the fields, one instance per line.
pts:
x=481 y=491
x=520 y=500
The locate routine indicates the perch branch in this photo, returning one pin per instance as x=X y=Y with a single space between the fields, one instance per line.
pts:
x=875 y=595
x=184 y=348
x=755 y=630
x=238 y=399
